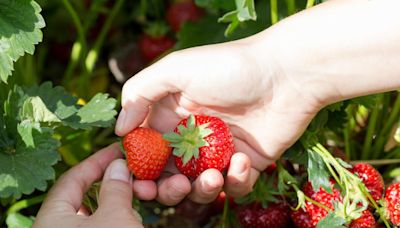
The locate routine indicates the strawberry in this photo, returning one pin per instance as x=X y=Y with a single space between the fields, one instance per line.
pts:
x=392 y=203
x=146 y=153
x=151 y=47
x=248 y=215
x=154 y=41
x=181 y=12
x=366 y=220
x=371 y=178
x=200 y=143
x=301 y=219
x=275 y=215
x=323 y=197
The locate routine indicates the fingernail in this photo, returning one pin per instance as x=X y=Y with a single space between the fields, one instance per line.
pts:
x=117 y=170
x=121 y=120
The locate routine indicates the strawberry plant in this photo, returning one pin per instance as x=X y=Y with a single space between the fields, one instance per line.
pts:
x=62 y=62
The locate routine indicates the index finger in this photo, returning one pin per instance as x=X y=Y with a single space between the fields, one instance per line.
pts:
x=144 y=89
x=66 y=195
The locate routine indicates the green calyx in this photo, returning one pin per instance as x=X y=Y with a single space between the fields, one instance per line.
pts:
x=189 y=140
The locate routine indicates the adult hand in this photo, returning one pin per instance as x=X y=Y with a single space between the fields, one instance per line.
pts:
x=63 y=203
x=265 y=110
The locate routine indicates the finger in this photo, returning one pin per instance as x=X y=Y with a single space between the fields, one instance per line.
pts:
x=173 y=189
x=259 y=160
x=241 y=176
x=144 y=189
x=145 y=88
x=66 y=195
x=116 y=191
x=207 y=186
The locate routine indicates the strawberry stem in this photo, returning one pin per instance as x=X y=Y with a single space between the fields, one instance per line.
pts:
x=225 y=212
x=317 y=203
x=189 y=139
x=377 y=162
x=349 y=183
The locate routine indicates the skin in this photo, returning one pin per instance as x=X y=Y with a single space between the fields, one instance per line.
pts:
x=267 y=87
x=64 y=201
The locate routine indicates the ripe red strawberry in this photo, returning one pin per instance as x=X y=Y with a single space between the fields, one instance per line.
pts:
x=201 y=142
x=323 y=197
x=301 y=219
x=366 y=220
x=371 y=178
x=151 y=47
x=146 y=153
x=392 y=203
x=248 y=215
x=180 y=12
x=275 y=215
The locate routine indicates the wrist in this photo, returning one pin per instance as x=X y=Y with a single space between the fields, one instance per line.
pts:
x=292 y=73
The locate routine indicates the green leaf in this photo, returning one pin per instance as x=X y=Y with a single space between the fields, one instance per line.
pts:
x=285 y=179
x=335 y=106
x=6 y=142
x=331 y=221
x=54 y=106
x=296 y=154
x=16 y=220
x=20 y=24
x=35 y=110
x=28 y=168
x=172 y=137
x=317 y=172
x=25 y=129
x=246 y=10
x=192 y=34
x=367 y=101
x=51 y=104
x=99 y=112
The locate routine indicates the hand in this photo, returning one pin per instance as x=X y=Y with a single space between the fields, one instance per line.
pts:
x=266 y=112
x=63 y=203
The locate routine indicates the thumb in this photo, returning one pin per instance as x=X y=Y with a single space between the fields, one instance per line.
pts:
x=116 y=191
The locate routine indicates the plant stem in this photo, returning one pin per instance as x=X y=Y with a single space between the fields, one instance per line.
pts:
x=25 y=203
x=328 y=159
x=79 y=47
x=366 y=151
x=395 y=153
x=317 y=203
x=347 y=132
x=291 y=7
x=378 y=162
x=310 y=3
x=225 y=212
x=384 y=134
x=274 y=11
x=93 y=53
